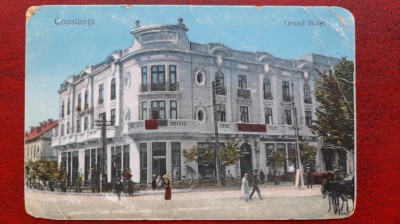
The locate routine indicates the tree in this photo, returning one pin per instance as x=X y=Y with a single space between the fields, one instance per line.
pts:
x=335 y=94
x=307 y=154
x=276 y=160
x=190 y=155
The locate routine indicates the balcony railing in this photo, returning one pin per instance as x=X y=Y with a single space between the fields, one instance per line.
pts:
x=221 y=91
x=244 y=93
x=268 y=96
x=157 y=86
x=167 y=86
x=287 y=99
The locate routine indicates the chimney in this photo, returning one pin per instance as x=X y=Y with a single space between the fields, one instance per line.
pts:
x=49 y=120
x=32 y=128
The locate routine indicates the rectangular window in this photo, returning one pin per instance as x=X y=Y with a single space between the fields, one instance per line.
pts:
x=288 y=117
x=173 y=110
x=125 y=163
x=112 y=117
x=176 y=160
x=281 y=147
x=244 y=114
x=268 y=115
x=286 y=91
x=144 y=111
x=115 y=162
x=159 y=158
x=172 y=78
x=86 y=100
x=158 y=110
x=85 y=123
x=102 y=116
x=308 y=119
x=69 y=107
x=62 y=109
x=158 y=78
x=78 y=125
x=144 y=79
x=78 y=107
x=62 y=130
x=242 y=82
x=143 y=162
x=221 y=114
x=87 y=164
x=68 y=128
x=101 y=94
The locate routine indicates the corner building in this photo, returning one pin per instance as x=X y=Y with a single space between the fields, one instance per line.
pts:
x=157 y=95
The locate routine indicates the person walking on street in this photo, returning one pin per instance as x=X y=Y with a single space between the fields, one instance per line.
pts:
x=167 y=185
x=118 y=188
x=262 y=176
x=130 y=188
x=154 y=183
x=255 y=185
x=245 y=187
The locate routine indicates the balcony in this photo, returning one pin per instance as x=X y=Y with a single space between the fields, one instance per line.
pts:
x=268 y=96
x=160 y=125
x=244 y=93
x=220 y=91
x=167 y=86
x=81 y=137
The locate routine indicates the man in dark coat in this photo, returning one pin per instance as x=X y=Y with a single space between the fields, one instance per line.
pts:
x=118 y=188
x=262 y=176
x=255 y=185
x=130 y=187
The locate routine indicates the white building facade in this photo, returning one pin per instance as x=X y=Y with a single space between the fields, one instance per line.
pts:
x=157 y=95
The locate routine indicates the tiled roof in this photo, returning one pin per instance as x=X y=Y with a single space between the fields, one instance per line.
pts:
x=36 y=132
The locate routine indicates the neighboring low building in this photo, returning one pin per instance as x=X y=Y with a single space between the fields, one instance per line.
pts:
x=38 y=142
x=158 y=97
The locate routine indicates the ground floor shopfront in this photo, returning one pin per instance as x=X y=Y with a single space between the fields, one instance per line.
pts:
x=159 y=155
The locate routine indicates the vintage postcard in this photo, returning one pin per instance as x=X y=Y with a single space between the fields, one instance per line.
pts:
x=190 y=113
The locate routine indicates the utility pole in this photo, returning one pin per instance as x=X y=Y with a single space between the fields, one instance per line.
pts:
x=217 y=157
x=103 y=124
x=296 y=132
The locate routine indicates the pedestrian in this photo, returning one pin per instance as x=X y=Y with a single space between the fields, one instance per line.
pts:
x=309 y=176
x=154 y=183
x=130 y=187
x=159 y=182
x=255 y=185
x=262 y=176
x=229 y=176
x=167 y=185
x=118 y=188
x=245 y=187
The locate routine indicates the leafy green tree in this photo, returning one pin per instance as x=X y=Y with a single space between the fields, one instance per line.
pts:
x=276 y=160
x=190 y=155
x=308 y=154
x=335 y=94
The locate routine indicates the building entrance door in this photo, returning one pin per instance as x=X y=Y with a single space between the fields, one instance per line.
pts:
x=246 y=165
x=159 y=165
x=159 y=158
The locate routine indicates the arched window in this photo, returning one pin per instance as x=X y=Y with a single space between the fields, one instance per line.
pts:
x=307 y=93
x=267 y=89
x=113 y=89
x=219 y=84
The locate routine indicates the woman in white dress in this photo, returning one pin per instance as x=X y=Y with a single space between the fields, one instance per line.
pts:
x=245 y=187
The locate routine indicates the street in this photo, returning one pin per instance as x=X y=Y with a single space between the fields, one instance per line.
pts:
x=280 y=202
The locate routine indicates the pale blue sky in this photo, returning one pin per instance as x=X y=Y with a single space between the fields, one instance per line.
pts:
x=54 y=52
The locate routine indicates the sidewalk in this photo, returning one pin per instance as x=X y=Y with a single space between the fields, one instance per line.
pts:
x=285 y=189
